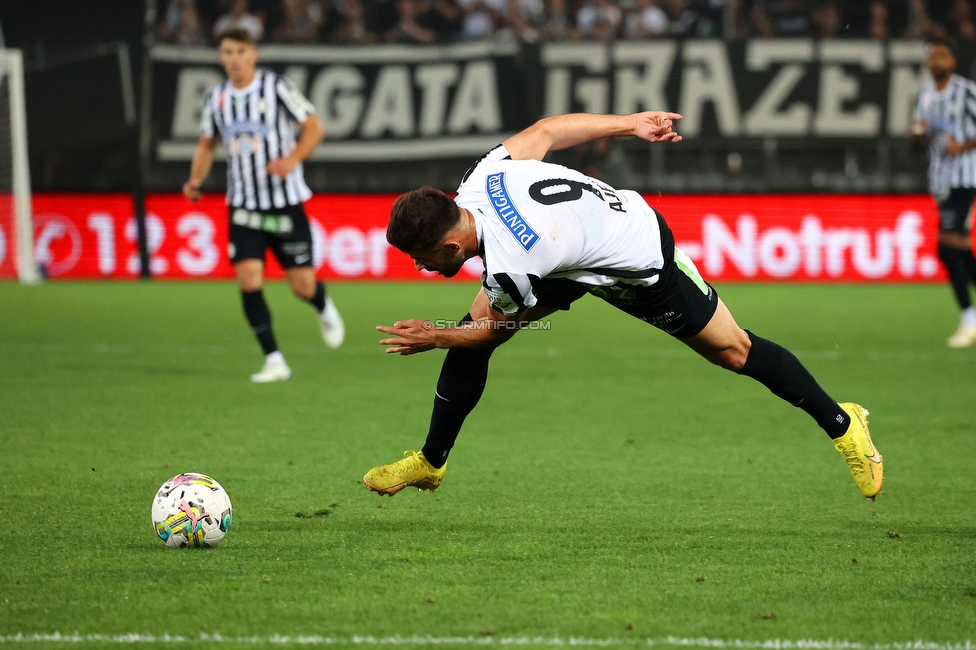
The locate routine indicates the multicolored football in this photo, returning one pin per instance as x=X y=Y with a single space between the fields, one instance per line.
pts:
x=191 y=510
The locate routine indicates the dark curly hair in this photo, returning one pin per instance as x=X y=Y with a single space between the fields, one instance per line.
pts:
x=420 y=218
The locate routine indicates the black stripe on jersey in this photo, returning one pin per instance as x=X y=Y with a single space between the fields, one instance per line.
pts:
x=238 y=167
x=266 y=141
x=556 y=293
x=209 y=103
x=239 y=109
x=508 y=286
x=235 y=168
x=273 y=141
x=617 y=273
x=218 y=116
x=471 y=169
x=254 y=116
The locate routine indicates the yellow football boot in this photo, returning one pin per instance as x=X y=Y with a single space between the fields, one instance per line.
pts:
x=412 y=470
x=859 y=451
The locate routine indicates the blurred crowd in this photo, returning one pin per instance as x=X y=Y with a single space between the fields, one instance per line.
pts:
x=342 y=22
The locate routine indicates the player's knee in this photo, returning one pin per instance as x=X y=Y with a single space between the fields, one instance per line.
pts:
x=955 y=240
x=733 y=357
x=303 y=290
x=249 y=285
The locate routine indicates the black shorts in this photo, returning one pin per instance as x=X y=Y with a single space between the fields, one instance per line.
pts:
x=284 y=230
x=954 y=210
x=680 y=303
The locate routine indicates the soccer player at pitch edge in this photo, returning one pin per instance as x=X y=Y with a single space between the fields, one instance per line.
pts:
x=255 y=112
x=549 y=235
x=945 y=120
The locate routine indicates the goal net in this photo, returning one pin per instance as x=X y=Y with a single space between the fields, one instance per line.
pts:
x=16 y=228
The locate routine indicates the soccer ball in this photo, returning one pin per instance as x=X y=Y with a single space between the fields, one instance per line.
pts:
x=191 y=510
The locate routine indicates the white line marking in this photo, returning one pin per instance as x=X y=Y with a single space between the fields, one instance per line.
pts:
x=699 y=642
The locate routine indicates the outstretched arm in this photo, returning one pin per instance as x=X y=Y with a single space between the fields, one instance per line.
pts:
x=489 y=329
x=562 y=131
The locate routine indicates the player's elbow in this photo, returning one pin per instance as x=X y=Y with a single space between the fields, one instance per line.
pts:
x=534 y=142
x=545 y=132
x=317 y=129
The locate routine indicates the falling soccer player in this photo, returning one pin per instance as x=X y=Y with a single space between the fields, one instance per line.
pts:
x=548 y=235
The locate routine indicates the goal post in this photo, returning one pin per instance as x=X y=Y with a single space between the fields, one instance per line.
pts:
x=15 y=192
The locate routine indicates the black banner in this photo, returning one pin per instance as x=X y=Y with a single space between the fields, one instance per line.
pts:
x=389 y=103
x=378 y=104
x=754 y=88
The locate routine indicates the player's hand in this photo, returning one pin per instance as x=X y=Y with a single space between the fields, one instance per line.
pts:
x=191 y=190
x=952 y=147
x=411 y=336
x=282 y=166
x=656 y=126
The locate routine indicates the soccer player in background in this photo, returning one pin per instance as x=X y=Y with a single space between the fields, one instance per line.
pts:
x=548 y=235
x=255 y=113
x=945 y=120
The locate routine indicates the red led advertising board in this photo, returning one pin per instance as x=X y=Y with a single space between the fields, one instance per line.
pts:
x=806 y=238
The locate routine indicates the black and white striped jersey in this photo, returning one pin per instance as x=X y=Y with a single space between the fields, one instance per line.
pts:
x=950 y=112
x=257 y=125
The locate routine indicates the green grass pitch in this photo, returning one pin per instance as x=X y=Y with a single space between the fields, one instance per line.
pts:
x=611 y=484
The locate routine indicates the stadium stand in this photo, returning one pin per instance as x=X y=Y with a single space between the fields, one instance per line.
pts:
x=444 y=21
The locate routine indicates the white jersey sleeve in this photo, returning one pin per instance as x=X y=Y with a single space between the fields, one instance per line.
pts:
x=509 y=293
x=292 y=100
x=208 y=126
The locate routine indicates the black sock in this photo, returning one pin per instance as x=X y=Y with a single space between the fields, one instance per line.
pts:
x=462 y=381
x=781 y=372
x=256 y=310
x=954 y=261
x=318 y=300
